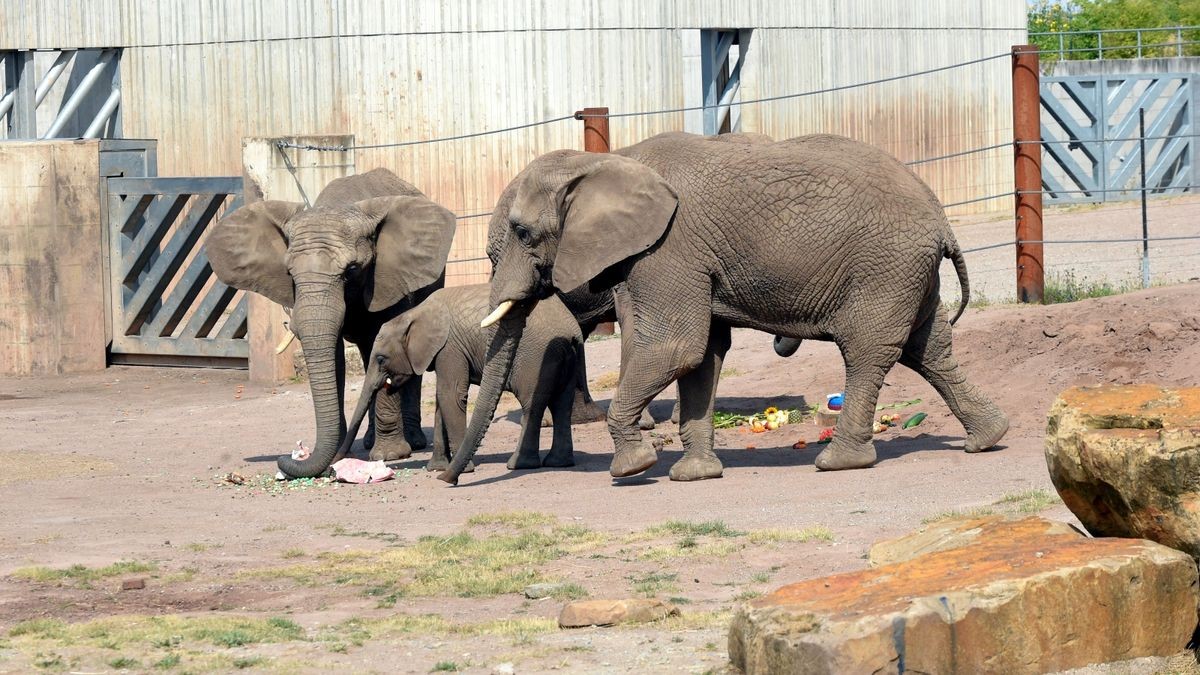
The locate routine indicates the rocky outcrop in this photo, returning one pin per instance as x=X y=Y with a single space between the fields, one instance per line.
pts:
x=1126 y=461
x=1018 y=596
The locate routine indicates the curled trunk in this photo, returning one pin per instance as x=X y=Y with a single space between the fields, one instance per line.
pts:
x=317 y=321
x=492 y=382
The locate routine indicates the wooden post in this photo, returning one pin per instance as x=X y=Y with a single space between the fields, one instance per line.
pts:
x=294 y=175
x=1027 y=172
x=595 y=139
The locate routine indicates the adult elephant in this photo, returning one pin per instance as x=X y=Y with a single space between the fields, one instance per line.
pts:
x=818 y=237
x=371 y=247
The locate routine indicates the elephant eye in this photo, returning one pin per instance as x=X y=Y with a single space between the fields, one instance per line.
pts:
x=524 y=235
x=353 y=269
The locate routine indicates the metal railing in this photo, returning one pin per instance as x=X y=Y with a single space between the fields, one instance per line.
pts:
x=89 y=107
x=1121 y=43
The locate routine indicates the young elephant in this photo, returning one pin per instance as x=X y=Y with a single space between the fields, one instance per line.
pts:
x=442 y=334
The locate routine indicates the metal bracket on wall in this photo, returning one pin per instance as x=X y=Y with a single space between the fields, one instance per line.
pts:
x=88 y=103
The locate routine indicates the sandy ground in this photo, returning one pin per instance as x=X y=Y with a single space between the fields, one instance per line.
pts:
x=127 y=465
x=993 y=271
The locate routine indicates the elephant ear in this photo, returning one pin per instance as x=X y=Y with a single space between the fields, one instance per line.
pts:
x=428 y=330
x=412 y=241
x=247 y=247
x=616 y=209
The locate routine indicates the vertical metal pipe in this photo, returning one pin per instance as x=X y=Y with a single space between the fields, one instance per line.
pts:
x=1027 y=171
x=1100 y=44
x=1178 y=42
x=596 y=139
x=18 y=72
x=1145 y=224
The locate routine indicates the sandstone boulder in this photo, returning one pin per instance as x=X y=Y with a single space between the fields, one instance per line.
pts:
x=611 y=612
x=941 y=536
x=1019 y=596
x=1126 y=461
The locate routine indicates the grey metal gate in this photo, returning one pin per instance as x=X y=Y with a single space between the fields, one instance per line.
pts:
x=1090 y=135
x=168 y=307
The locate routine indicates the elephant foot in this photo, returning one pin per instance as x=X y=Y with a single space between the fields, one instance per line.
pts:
x=846 y=455
x=584 y=413
x=442 y=463
x=989 y=435
x=523 y=460
x=559 y=460
x=697 y=466
x=416 y=440
x=633 y=460
x=646 y=422
x=390 y=448
x=675 y=413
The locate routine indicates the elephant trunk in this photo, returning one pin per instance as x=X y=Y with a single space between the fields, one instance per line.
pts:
x=317 y=321
x=375 y=379
x=499 y=363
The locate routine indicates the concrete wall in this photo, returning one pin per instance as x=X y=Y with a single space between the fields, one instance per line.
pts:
x=1184 y=64
x=52 y=264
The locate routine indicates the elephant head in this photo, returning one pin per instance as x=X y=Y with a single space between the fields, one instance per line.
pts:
x=355 y=251
x=406 y=346
x=574 y=218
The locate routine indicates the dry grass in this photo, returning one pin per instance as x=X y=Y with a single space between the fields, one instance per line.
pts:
x=1030 y=501
x=80 y=574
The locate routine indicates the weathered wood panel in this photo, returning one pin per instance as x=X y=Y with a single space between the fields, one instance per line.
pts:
x=52 y=273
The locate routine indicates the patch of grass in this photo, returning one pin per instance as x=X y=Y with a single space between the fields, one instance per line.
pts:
x=679 y=600
x=730 y=372
x=695 y=621
x=747 y=595
x=1066 y=287
x=1030 y=501
x=711 y=528
x=569 y=591
x=444 y=667
x=974 y=512
x=653 y=583
x=361 y=630
x=50 y=661
x=124 y=663
x=244 y=662
x=761 y=577
x=292 y=553
x=167 y=662
x=121 y=632
x=690 y=547
x=814 y=533
x=515 y=519
x=463 y=564
x=82 y=574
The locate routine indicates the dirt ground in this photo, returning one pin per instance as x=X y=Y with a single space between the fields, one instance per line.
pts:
x=120 y=474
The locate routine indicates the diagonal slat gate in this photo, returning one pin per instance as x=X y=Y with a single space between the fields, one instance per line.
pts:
x=168 y=307
x=1090 y=135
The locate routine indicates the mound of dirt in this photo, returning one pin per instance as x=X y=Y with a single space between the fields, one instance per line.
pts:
x=1025 y=356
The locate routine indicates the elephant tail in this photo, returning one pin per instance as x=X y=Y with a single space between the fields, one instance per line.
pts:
x=951 y=250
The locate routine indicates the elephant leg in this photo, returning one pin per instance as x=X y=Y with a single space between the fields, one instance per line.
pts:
x=562 y=448
x=526 y=454
x=928 y=352
x=866 y=366
x=410 y=413
x=439 y=459
x=389 y=439
x=583 y=407
x=625 y=321
x=451 y=414
x=697 y=395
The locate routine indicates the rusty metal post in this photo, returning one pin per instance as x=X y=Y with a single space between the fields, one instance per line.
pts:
x=595 y=139
x=1027 y=172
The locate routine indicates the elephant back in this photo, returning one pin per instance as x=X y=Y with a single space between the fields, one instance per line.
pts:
x=374 y=183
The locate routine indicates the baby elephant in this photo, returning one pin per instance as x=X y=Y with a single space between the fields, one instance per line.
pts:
x=442 y=334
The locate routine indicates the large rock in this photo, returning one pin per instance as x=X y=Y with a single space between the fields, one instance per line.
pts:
x=1023 y=596
x=1126 y=461
x=944 y=535
x=611 y=612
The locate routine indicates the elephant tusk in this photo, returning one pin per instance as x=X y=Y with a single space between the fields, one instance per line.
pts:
x=496 y=314
x=283 y=344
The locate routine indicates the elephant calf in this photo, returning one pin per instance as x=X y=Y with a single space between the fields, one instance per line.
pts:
x=443 y=334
